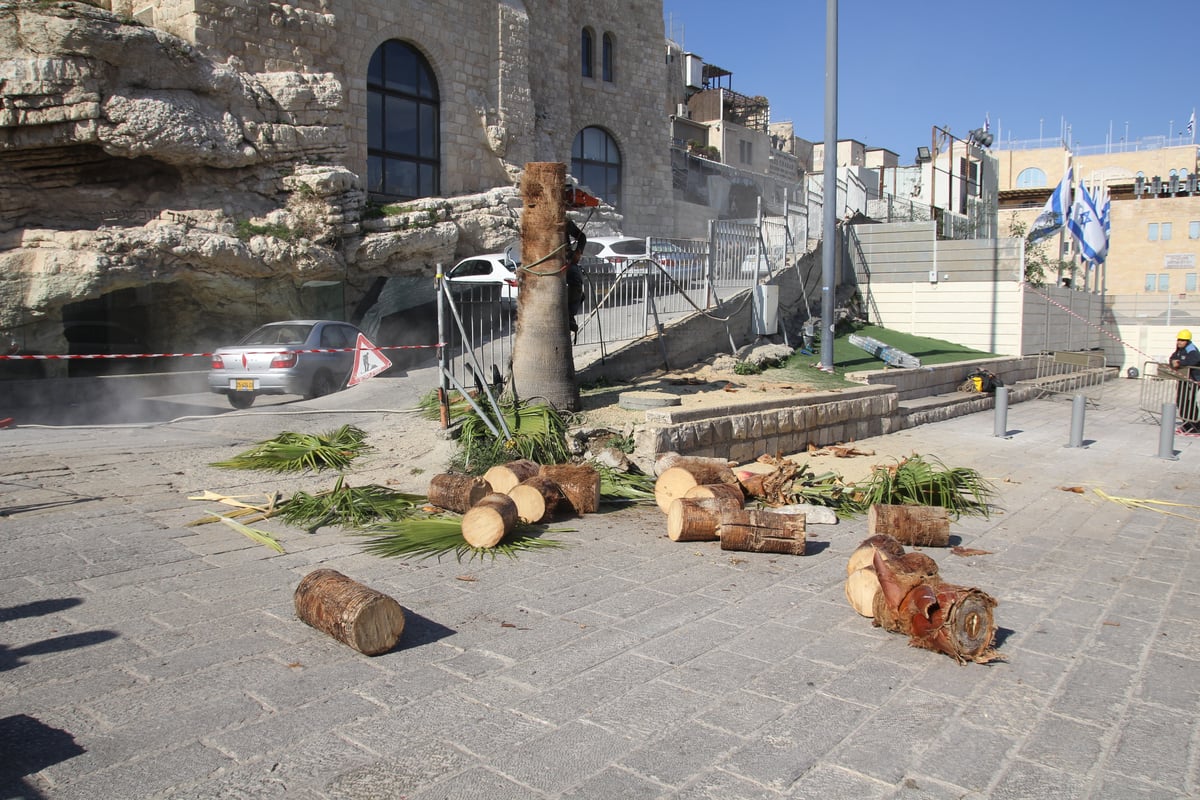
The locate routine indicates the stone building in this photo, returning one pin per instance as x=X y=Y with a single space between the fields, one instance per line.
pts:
x=178 y=171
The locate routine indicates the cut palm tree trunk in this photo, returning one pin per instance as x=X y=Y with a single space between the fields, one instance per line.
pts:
x=536 y=498
x=579 y=484
x=720 y=491
x=490 y=520
x=667 y=460
x=861 y=587
x=456 y=492
x=938 y=616
x=916 y=526
x=864 y=555
x=355 y=615
x=674 y=482
x=696 y=519
x=762 y=531
x=503 y=477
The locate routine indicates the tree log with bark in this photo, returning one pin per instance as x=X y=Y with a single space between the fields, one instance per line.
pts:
x=355 y=615
x=490 y=520
x=503 y=477
x=763 y=531
x=579 y=484
x=685 y=474
x=916 y=526
x=536 y=498
x=456 y=492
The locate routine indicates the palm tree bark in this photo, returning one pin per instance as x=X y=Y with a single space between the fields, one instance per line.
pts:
x=543 y=365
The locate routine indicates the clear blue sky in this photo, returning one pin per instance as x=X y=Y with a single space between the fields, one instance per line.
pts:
x=905 y=67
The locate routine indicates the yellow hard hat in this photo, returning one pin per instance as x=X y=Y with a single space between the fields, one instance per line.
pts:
x=1185 y=334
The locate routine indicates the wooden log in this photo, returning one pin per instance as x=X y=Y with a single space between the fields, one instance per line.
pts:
x=762 y=531
x=536 y=498
x=503 y=477
x=916 y=526
x=864 y=556
x=674 y=482
x=579 y=484
x=861 y=587
x=490 y=520
x=697 y=519
x=667 y=460
x=722 y=491
x=355 y=615
x=754 y=483
x=456 y=492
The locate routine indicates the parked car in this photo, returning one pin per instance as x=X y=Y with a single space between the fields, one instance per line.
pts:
x=497 y=269
x=282 y=358
x=629 y=257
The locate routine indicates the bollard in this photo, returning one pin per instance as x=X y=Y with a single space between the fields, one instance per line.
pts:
x=1001 y=426
x=1166 y=434
x=1077 y=409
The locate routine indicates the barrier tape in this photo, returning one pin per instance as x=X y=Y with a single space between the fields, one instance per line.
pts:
x=1086 y=321
x=273 y=351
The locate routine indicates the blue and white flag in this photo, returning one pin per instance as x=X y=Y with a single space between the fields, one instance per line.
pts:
x=1086 y=225
x=1054 y=213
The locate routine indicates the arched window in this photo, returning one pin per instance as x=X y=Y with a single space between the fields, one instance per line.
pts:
x=1031 y=178
x=606 y=58
x=596 y=164
x=587 y=54
x=403 y=136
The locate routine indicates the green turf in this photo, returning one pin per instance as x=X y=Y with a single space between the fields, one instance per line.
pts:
x=850 y=358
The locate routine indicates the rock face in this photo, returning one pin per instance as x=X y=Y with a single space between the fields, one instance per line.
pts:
x=137 y=171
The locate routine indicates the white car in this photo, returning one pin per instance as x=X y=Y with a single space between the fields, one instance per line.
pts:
x=623 y=252
x=497 y=269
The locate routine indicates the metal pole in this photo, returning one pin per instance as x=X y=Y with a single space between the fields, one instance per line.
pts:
x=1001 y=423
x=1166 y=434
x=829 y=243
x=1077 y=409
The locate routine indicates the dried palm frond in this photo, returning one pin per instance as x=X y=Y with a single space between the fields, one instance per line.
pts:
x=299 y=452
x=917 y=480
x=349 y=506
x=262 y=537
x=437 y=536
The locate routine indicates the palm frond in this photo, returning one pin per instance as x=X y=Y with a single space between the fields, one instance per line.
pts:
x=262 y=537
x=539 y=433
x=437 y=536
x=617 y=486
x=348 y=506
x=300 y=452
x=918 y=480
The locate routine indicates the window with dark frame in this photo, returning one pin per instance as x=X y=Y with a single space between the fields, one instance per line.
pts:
x=596 y=164
x=587 y=54
x=403 y=129
x=606 y=58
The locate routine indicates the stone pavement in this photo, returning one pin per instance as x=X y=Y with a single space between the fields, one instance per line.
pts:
x=142 y=658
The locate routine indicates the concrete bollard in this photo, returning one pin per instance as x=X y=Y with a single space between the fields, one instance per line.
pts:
x=1001 y=425
x=1166 y=433
x=1078 y=406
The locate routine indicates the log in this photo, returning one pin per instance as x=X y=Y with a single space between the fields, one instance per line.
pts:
x=667 y=460
x=579 y=484
x=697 y=519
x=865 y=554
x=722 y=491
x=503 y=477
x=536 y=498
x=916 y=526
x=456 y=492
x=355 y=615
x=861 y=587
x=675 y=481
x=490 y=520
x=762 y=531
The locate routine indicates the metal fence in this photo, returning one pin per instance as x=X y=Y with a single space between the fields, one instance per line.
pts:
x=623 y=302
x=1161 y=385
x=1160 y=308
x=1071 y=372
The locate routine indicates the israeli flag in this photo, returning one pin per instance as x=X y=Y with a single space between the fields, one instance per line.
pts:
x=1054 y=213
x=1086 y=225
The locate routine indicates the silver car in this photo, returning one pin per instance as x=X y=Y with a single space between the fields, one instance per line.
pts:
x=307 y=357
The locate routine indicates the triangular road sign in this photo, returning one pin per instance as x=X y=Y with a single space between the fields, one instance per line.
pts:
x=369 y=361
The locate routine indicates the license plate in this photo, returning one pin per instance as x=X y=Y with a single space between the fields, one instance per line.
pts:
x=243 y=386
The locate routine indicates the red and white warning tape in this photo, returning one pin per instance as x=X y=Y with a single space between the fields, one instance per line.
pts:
x=60 y=357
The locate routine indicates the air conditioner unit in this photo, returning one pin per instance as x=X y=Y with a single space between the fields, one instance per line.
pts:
x=682 y=111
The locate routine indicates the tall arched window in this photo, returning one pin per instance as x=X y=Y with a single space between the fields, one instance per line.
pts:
x=606 y=58
x=403 y=137
x=1031 y=178
x=587 y=53
x=596 y=164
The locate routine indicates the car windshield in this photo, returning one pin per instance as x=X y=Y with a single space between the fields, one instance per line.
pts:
x=278 y=334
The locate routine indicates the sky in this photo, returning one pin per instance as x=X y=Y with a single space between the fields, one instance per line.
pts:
x=1108 y=69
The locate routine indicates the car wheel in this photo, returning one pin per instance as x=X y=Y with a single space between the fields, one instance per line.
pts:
x=323 y=384
x=241 y=399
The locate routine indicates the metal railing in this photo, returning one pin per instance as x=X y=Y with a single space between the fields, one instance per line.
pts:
x=1070 y=372
x=1161 y=385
